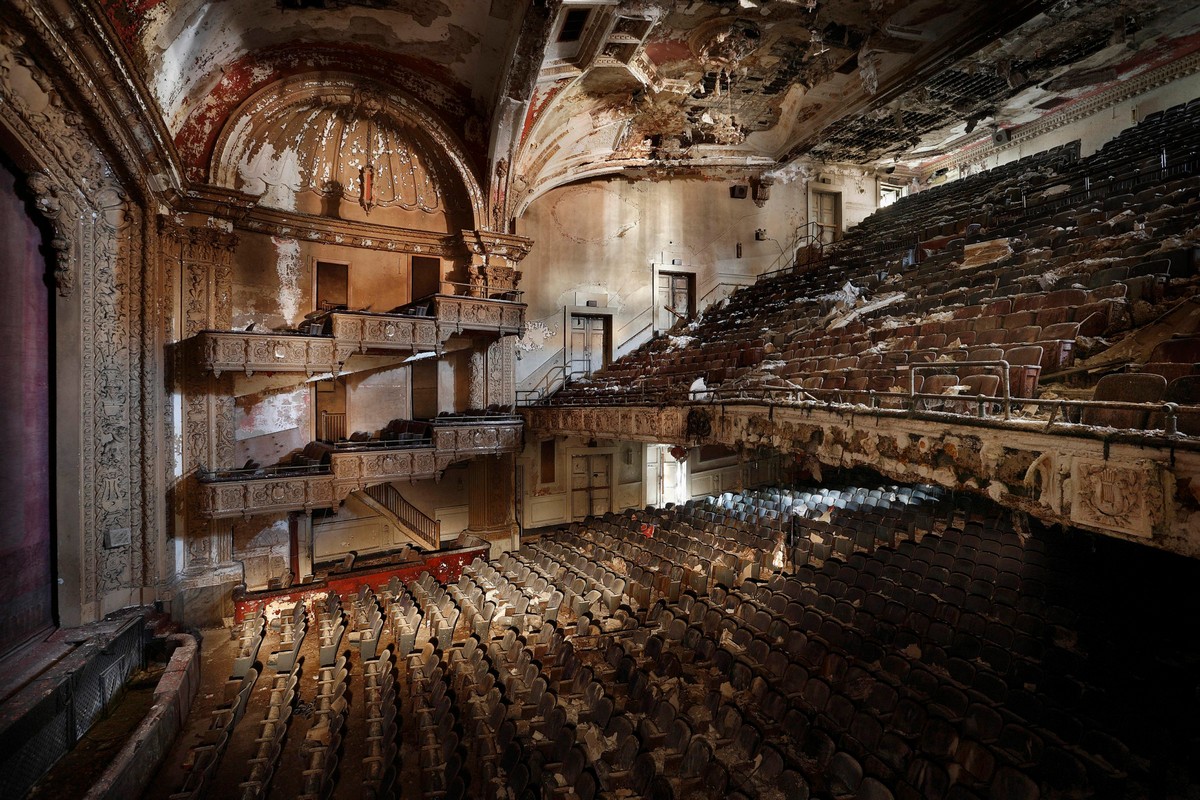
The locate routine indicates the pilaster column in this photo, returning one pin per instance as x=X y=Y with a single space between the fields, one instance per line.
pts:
x=200 y=257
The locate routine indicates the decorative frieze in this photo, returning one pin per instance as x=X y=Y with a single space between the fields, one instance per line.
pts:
x=1064 y=476
x=359 y=469
x=265 y=495
x=484 y=438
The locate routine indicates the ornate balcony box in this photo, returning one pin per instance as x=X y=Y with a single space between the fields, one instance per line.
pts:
x=250 y=352
x=236 y=492
x=357 y=469
x=467 y=436
x=458 y=313
x=231 y=495
x=361 y=332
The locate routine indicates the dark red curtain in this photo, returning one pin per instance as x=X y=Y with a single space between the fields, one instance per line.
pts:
x=26 y=570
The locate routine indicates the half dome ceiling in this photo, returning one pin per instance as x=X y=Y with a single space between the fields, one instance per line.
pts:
x=331 y=144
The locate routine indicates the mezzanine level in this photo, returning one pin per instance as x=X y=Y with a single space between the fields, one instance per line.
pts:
x=327 y=474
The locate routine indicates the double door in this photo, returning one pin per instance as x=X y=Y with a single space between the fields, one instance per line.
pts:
x=590 y=347
x=591 y=484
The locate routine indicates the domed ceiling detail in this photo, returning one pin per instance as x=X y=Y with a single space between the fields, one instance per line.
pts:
x=354 y=143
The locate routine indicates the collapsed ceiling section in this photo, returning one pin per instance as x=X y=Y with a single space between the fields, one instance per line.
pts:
x=754 y=84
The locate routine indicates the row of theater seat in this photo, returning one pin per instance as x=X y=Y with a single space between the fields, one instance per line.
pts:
x=874 y=641
x=1056 y=282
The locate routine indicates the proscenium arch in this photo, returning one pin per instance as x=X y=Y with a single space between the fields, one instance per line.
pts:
x=335 y=89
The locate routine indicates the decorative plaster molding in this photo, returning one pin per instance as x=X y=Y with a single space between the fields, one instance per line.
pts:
x=102 y=272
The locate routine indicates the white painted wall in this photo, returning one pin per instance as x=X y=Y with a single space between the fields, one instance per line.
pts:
x=601 y=240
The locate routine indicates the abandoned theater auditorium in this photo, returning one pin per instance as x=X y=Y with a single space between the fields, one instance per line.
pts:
x=572 y=399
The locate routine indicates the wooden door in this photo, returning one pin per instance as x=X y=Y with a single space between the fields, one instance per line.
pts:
x=676 y=298
x=827 y=208
x=589 y=344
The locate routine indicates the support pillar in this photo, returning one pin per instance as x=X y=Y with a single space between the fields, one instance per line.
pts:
x=491 y=512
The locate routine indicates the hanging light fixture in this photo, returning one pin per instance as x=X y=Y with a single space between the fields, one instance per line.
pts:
x=366 y=173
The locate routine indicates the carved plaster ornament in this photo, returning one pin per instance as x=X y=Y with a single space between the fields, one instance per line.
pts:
x=47 y=201
x=476 y=377
x=868 y=71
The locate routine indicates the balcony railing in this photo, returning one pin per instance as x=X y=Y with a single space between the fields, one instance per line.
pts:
x=492 y=312
x=355 y=466
x=467 y=436
x=266 y=492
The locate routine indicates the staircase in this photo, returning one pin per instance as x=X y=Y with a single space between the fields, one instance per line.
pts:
x=386 y=500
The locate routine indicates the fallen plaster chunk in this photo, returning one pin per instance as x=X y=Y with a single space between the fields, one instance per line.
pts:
x=869 y=308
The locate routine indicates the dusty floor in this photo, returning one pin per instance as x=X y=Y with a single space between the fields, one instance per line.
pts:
x=73 y=775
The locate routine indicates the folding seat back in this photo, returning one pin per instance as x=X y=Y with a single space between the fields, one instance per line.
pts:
x=1125 y=387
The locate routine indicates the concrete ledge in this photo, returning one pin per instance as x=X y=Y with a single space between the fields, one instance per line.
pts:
x=131 y=770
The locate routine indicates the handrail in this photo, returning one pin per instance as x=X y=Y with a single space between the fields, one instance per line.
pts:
x=794 y=245
x=620 y=332
x=219 y=474
x=482 y=292
x=772 y=396
x=795 y=396
x=1003 y=366
x=628 y=343
x=553 y=376
x=475 y=419
x=428 y=530
x=716 y=286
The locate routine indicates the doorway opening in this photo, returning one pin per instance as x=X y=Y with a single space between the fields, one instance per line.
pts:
x=333 y=285
x=827 y=211
x=666 y=478
x=675 y=299
x=426 y=276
